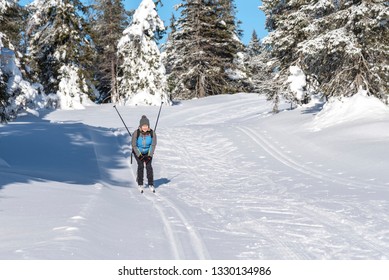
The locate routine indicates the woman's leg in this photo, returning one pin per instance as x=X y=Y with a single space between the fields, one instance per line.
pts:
x=150 y=173
x=140 y=175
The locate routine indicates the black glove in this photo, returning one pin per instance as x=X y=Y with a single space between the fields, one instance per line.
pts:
x=141 y=157
x=146 y=159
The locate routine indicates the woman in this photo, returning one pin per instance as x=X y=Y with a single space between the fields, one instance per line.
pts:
x=144 y=141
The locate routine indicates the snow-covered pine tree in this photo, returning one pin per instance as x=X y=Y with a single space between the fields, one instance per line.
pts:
x=253 y=65
x=3 y=87
x=347 y=47
x=141 y=74
x=261 y=67
x=16 y=93
x=254 y=46
x=205 y=46
x=107 y=26
x=3 y=99
x=8 y=12
x=60 y=50
x=169 y=53
x=286 y=26
x=235 y=68
x=11 y=15
x=341 y=46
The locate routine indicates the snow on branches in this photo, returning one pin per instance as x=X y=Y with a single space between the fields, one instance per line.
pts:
x=141 y=75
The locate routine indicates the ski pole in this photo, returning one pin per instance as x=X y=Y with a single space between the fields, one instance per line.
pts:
x=122 y=120
x=124 y=125
x=156 y=123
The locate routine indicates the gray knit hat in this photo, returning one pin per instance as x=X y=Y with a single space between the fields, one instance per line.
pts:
x=144 y=121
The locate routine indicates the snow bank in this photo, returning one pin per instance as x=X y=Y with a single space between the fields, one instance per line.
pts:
x=355 y=108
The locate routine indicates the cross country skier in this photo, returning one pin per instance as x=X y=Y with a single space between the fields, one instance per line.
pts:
x=144 y=141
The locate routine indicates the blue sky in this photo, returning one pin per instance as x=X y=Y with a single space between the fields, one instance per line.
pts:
x=247 y=11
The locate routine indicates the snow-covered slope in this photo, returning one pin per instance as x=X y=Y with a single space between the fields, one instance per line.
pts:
x=233 y=182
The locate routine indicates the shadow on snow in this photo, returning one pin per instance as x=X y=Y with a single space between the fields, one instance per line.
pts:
x=62 y=152
x=162 y=181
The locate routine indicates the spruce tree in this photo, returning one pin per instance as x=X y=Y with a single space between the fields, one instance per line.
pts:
x=348 y=48
x=235 y=67
x=254 y=47
x=205 y=46
x=169 y=54
x=342 y=46
x=10 y=18
x=3 y=92
x=60 y=50
x=4 y=5
x=249 y=63
x=286 y=27
x=107 y=26
x=4 y=97
x=141 y=75
x=259 y=64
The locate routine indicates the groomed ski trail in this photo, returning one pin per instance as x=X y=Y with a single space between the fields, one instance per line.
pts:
x=232 y=181
x=277 y=233
x=185 y=244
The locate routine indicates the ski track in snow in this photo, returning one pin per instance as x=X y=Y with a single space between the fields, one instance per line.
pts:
x=282 y=157
x=173 y=218
x=346 y=231
x=174 y=221
x=343 y=228
x=261 y=231
x=225 y=189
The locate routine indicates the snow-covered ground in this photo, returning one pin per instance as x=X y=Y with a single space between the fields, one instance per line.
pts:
x=233 y=181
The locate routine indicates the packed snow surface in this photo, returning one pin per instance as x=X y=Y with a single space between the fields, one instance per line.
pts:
x=233 y=181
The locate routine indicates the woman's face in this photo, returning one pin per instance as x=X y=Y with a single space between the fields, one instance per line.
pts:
x=145 y=127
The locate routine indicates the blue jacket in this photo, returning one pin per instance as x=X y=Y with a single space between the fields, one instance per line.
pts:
x=143 y=143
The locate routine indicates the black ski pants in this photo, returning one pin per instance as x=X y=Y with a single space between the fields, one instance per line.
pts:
x=149 y=171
